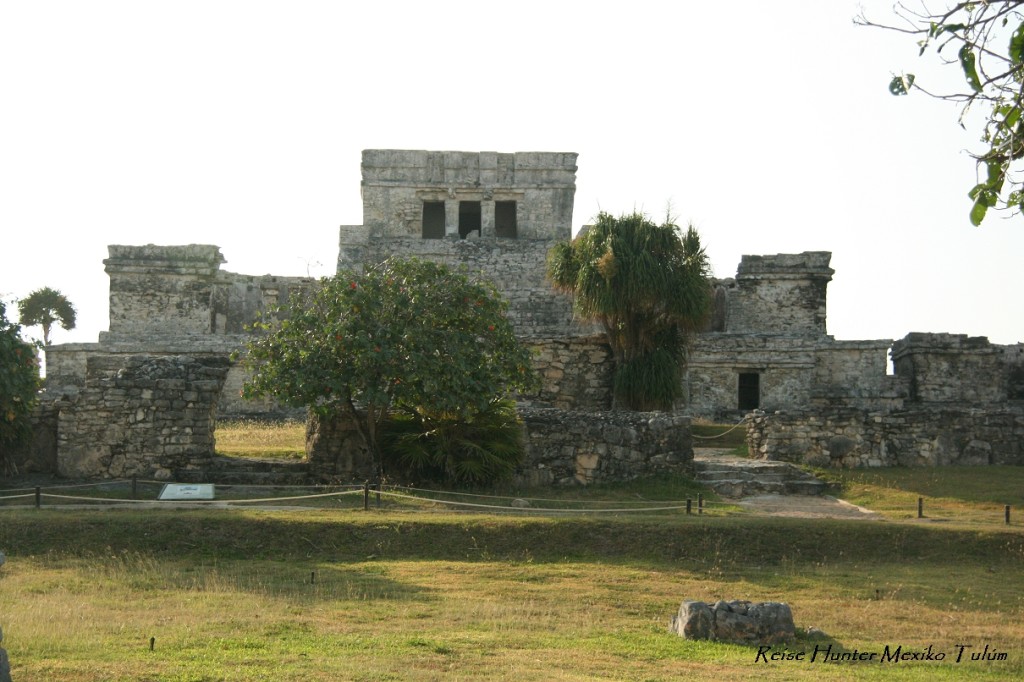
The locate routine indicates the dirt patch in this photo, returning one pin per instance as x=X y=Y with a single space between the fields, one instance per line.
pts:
x=807 y=507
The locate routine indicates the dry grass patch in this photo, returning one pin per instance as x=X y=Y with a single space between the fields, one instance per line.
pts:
x=319 y=595
x=276 y=440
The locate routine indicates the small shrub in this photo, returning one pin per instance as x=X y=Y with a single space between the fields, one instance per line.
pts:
x=478 y=450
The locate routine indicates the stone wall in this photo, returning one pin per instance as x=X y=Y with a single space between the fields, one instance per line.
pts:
x=575 y=373
x=517 y=268
x=562 y=447
x=850 y=438
x=958 y=369
x=141 y=416
x=575 y=447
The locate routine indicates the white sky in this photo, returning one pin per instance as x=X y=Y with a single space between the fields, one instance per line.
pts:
x=768 y=125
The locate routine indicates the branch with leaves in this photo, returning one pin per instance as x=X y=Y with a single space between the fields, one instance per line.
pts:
x=987 y=38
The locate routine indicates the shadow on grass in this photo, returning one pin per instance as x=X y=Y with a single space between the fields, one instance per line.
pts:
x=686 y=542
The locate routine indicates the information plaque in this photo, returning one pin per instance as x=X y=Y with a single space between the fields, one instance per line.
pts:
x=186 y=491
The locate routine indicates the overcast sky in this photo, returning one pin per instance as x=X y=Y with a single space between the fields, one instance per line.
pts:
x=767 y=125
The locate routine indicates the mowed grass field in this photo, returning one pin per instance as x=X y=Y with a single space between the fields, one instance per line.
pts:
x=344 y=594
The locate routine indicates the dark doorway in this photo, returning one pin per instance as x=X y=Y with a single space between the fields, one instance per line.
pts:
x=749 y=391
x=469 y=218
x=433 y=220
x=505 y=219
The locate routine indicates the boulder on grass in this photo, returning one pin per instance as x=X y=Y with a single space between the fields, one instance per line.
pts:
x=736 y=622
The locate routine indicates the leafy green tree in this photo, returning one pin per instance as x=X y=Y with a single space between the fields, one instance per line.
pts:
x=404 y=336
x=648 y=285
x=19 y=382
x=43 y=307
x=985 y=40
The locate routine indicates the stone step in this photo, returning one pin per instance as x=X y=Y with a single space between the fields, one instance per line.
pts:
x=736 y=478
x=245 y=471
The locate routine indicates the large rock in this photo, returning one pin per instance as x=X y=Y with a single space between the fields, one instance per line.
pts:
x=737 y=622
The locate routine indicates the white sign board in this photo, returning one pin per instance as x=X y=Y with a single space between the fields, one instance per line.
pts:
x=186 y=491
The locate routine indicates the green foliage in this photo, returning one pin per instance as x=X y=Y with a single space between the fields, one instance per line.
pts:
x=989 y=39
x=404 y=335
x=648 y=286
x=45 y=306
x=19 y=382
x=480 y=449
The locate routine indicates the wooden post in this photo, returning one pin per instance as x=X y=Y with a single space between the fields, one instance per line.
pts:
x=366 y=496
x=377 y=488
x=1006 y=514
x=689 y=506
x=920 y=507
x=700 y=503
x=39 y=498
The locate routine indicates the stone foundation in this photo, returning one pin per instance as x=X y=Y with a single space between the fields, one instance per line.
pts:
x=853 y=438
x=562 y=447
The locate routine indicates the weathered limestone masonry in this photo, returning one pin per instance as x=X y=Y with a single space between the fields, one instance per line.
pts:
x=964 y=405
x=498 y=214
x=953 y=399
x=175 y=300
x=562 y=447
x=142 y=416
x=574 y=447
x=767 y=347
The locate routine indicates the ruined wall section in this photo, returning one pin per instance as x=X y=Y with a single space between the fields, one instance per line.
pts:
x=780 y=294
x=141 y=416
x=162 y=292
x=920 y=436
x=575 y=373
x=958 y=369
x=562 y=447
x=516 y=268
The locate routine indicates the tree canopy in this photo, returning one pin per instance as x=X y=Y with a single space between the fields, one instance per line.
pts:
x=648 y=286
x=985 y=40
x=43 y=307
x=19 y=382
x=404 y=335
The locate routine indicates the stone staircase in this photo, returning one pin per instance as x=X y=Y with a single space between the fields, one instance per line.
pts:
x=737 y=477
x=247 y=471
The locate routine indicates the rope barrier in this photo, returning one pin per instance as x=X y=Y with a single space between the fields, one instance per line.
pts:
x=516 y=497
x=114 y=500
x=71 y=485
x=529 y=509
x=17 y=497
x=221 y=502
x=741 y=422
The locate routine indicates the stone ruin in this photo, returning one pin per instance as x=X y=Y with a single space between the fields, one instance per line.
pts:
x=735 y=622
x=815 y=399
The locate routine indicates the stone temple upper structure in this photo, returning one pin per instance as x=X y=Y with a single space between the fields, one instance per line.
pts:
x=490 y=212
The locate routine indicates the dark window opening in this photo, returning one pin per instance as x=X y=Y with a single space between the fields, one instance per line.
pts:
x=505 y=219
x=469 y=218
x=749 y=391
x=433 y=220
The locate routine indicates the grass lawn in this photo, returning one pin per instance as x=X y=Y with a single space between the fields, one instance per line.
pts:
x=336 y=593
x=389 y=595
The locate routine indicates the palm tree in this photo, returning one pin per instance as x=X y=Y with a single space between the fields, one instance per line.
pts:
x=45 y=306
x=648 y=286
